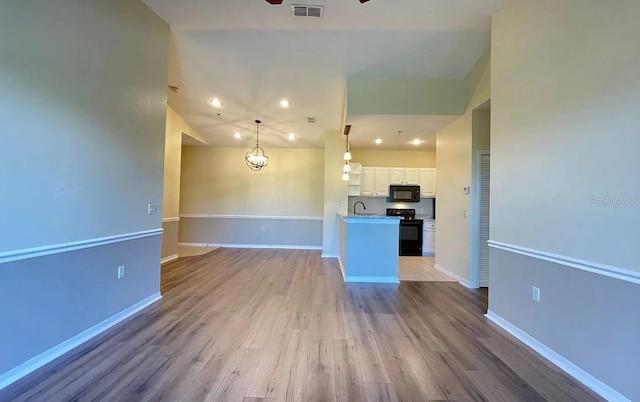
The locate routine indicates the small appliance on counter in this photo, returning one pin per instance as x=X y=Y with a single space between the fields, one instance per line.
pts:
x=404 y=194
x=410 y=231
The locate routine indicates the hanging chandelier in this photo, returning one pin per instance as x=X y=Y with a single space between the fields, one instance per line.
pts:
x=256 y=158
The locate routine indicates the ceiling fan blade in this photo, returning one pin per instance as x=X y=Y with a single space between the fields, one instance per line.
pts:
x=272 y=2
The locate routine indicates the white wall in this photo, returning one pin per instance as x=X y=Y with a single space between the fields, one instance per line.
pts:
x=564 y=116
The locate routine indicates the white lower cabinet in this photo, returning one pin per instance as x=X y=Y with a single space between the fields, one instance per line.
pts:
x=429 y=238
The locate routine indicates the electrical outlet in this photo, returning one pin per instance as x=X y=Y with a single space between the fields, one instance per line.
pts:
x=151 y=209
x=535 y=293
x=263 y=230
x=121 y=272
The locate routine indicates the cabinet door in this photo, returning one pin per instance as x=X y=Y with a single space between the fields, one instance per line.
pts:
x=367 y=182
x=412 y=176
x=382 y=182
x=427 y=182
x=429 y=242
x=396 y=176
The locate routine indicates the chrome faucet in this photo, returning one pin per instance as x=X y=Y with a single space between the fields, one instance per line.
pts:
x=356 y=203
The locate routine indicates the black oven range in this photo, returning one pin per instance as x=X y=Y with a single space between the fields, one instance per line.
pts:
x=410 y=231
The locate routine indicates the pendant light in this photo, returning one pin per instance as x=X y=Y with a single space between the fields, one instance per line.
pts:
x=347 y=154
x=256 y=159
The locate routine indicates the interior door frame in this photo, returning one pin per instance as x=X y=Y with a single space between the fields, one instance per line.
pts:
x=474 y=257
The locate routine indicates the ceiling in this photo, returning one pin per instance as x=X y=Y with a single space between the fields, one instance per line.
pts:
x=250 y=55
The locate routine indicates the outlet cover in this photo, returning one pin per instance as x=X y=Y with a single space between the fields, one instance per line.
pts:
x=535 y=293
x=121 y=272
x=151 y=209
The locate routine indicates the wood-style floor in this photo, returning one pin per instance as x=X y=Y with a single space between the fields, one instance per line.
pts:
x=250 y=325
x=414 y=269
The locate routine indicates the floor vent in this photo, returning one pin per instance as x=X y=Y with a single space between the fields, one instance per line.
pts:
x=301 y=10
x=311 y=120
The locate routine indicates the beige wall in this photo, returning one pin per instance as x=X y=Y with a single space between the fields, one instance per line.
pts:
x=454 y=167
x=395 y=158
x=217 y=181
x=175 y=127
x=335 y=192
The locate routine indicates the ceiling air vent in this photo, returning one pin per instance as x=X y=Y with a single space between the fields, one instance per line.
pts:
x=311 y=120
x=301 y=10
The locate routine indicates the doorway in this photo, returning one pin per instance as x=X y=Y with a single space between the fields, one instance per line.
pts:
x=480 y=196
x=484 y=159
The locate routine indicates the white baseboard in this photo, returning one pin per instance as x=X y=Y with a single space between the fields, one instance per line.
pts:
x=169 y=258
x=274 y=246
x=576 y=372
x=372 y=279
x=463 y=282
x=43 y=358
x=329 y=255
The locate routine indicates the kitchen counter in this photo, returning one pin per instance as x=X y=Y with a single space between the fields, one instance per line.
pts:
x=367 y=216
x=369 y=248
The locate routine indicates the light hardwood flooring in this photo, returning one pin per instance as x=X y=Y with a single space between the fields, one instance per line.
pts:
x=421 y=269
x=275 y=325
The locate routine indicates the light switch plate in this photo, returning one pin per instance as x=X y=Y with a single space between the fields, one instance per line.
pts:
x=151 y=209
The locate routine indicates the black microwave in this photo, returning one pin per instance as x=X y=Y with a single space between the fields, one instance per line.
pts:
x=403 y=193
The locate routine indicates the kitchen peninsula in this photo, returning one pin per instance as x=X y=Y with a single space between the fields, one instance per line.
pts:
x=369 y=248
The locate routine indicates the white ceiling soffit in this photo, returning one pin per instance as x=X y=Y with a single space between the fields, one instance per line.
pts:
x=365 y=129
x=251 y=54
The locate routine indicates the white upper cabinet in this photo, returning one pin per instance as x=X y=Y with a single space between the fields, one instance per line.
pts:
x=375 y=181
x=368 y=182
x=396 y=176
x=404 y=176
x=412 y=176
x=382 y=182
x=427 y=182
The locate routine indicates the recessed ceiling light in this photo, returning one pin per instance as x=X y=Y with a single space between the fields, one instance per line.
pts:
x=417 y=141
x=237 y=135
x=284 y=103
x=291 y=136
x=378 y=141
x=215 y=102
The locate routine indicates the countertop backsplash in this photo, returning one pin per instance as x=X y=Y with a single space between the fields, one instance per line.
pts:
x=425 y=208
